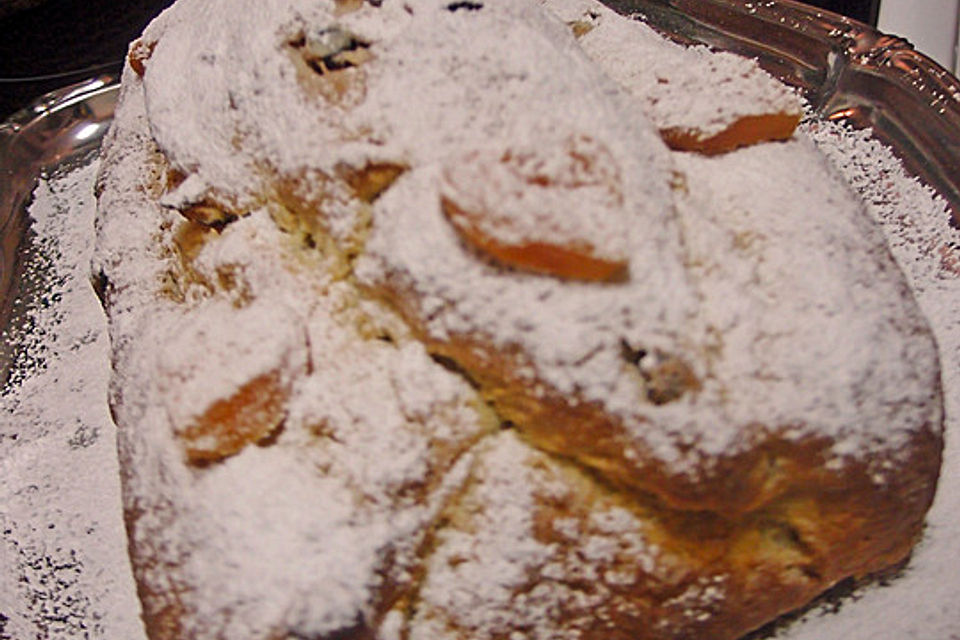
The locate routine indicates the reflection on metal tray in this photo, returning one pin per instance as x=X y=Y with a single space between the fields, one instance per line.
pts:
x=59 y=129
x=845 y=69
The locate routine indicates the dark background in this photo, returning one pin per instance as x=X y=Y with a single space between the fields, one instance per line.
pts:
x=52 y=43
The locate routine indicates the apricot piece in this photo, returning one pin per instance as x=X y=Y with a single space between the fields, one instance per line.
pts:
x=226 y=389
x=571 y=262
x=250 y=415
x=555 y=209
x=744 y=132
x=138 y=55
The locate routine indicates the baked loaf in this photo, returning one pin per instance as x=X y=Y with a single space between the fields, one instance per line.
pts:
x=421 y=331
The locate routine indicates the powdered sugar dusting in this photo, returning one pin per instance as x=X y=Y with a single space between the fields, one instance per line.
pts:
x=506 y=561
x=251 y=122
x=750 y=244
x=73 y=581
x=685 y=383
x=741 y=257
x=474 y=575
x=534 y=546
x=917 y=226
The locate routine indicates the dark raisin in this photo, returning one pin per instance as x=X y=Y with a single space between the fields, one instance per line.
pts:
x=466 y=4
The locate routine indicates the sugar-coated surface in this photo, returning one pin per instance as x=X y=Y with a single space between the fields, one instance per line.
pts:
x=68 y=583
x=746 y=245
x=63 y=555
x=505 y=79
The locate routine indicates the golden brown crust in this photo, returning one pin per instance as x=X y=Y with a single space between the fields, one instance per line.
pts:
x=773 y=469
x=653 y=572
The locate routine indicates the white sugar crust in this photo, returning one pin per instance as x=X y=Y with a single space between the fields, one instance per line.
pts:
x=378 y=438
x=781 y=268
x=241 y=117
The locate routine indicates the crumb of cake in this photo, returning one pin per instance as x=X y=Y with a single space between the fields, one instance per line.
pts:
x=208 y=215
x=329 y=63
x=372 y=179
x=187 y=240
x=330 y=213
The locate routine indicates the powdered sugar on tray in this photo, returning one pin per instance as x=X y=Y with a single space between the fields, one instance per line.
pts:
x=64 y=572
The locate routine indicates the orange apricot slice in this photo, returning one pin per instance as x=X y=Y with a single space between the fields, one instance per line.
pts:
x=225 y=390
x=248 y=416
x=743 y=132
x=554 y=209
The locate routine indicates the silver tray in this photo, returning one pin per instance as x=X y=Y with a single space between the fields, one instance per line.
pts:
x=846 y=70
x=58 y=130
